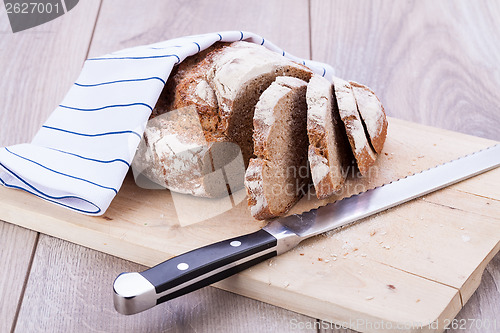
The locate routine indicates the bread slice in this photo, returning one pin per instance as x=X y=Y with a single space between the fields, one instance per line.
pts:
x=239 y=76
x=348 y=110
x=372 y=114
x=329 y=153
x=223 y=84
x=277 y=177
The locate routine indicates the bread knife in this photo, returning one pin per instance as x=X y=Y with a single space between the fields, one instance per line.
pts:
x=135 y=292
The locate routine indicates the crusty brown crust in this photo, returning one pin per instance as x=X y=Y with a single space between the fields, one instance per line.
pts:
x=328 y=151
x=377 y=135
x=264 y=203
x=257 y=202
x=190 y=85
x=361 y=148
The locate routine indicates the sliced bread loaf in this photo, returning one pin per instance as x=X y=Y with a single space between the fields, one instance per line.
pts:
x=329 y=153
x=348 y=110
x=277 y=177
x=223 y=84
x=239 y=76
x=372 y=114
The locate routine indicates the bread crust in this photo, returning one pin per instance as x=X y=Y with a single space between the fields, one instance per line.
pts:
x=328 y=151
x=361 y=148
x=195 y=84
x=372 y=113
x=266 y=170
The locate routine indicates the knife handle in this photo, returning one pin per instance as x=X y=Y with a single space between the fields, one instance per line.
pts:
x=136 y=292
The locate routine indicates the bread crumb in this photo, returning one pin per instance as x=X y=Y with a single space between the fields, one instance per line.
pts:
x=391 y=286
x=411 y=236
x=327 y=260
x=373 y=232
x=387 y=247
x=369 y=298
x=462 y=228
x=286 y=284
x=301 y=254
x=418 y=300
x=363 y=254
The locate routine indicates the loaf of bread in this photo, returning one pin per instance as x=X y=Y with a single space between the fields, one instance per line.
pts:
x=277 y=177
x=239 y=114
x=223 y=84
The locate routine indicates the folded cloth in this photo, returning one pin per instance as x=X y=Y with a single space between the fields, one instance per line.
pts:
x=81 y=155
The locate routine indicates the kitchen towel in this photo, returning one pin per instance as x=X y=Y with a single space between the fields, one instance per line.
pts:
x=80 y=156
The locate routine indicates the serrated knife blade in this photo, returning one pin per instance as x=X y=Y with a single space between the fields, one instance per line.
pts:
x=135 y=292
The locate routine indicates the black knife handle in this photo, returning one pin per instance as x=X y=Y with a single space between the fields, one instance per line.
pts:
x=191 y=271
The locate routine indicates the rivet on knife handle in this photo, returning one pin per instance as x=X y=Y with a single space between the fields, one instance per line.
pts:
x=136 y=292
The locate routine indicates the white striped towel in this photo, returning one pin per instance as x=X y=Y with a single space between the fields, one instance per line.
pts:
x=81 y=155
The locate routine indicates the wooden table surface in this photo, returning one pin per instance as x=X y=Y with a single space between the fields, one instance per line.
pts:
x=431 y=62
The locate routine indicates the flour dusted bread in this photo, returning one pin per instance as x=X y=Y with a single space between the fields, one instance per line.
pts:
x=222 y=84
x=348 y=111
x=239 y=114
x=277 y=177
x=372 y=114
x=329 y=153
x=240 y=75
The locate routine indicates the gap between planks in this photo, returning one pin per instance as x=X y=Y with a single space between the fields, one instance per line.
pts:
x=25 y=283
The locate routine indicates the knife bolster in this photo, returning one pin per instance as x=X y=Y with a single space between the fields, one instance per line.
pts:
x=287 y=239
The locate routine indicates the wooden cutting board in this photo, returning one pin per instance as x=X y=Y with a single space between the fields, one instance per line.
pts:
x=414 y=264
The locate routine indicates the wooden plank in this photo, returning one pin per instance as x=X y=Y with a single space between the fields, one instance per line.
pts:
x=284 y=22
x=431 y=63
x=480 y=314
x=38 y=65
x=70 y=289
x=17 y=248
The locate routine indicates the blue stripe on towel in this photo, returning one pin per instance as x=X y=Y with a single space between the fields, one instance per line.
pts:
x=92 y=135
x=105 y=107
x=199 y=48
x=91 y=159
x=119 y=81
x=60 y=173
x=138 y=58
x=46 y=196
